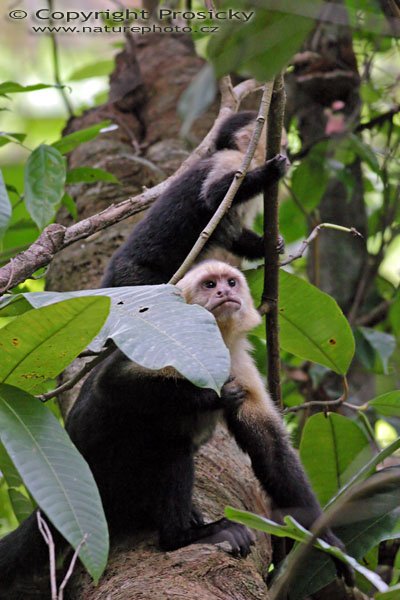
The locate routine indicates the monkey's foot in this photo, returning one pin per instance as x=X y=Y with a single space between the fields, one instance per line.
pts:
x=239 y=538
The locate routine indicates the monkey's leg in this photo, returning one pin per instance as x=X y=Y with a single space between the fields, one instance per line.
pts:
x=259 y=431
x=251 y=245
x=176 y=528
x=24 y=554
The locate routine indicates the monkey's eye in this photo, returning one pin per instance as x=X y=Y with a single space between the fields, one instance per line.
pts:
x=231 y=282
x=209 y=284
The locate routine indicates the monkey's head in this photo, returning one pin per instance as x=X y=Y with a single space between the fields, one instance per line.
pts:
x=222 y=290
x=236 y=132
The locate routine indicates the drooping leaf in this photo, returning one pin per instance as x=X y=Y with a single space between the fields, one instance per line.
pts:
x=155 y=328
x=197 y=97
x=38 y=345
x=7 y=138
x=44 y=179
x=97 y=69
x=295 y=531
x=5 y=207
x=55 y=473
x=89 y=175
x=387 y=404
x=72 y=140
x=264 y=44
x=10 y=87
x=70 y=205
x=332 y=449
x=374 y=348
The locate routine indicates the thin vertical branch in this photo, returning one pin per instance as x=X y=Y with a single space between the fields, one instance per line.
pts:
x=271 y=233
x=48 y=538
x=56 y=66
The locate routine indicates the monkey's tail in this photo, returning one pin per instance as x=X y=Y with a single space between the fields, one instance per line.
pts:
x=23 y=556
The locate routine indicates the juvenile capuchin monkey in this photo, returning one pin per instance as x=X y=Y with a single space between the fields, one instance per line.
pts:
x=158 y=245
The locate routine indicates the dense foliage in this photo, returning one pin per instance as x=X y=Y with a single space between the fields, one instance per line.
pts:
x=325 y=353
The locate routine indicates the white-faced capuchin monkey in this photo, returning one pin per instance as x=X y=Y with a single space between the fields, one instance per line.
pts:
x=139 y=430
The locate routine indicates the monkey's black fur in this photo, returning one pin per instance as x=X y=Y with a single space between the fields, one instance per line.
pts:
x=139 y=433
x=159 y=243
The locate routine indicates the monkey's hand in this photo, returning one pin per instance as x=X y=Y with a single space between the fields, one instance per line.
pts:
x=277 y=167
x=281 y=245
x=343 y=570
x=232 y=395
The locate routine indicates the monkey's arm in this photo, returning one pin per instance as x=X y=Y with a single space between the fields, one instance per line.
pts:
x=253 y=183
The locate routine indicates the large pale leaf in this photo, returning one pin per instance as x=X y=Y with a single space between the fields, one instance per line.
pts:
x=55 y=473
x=312 y=326
x=44 y=179
x=332 y=448
x=155 y=328
x=38 y=345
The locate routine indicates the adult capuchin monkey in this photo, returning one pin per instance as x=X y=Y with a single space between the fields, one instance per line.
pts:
x=139 y=430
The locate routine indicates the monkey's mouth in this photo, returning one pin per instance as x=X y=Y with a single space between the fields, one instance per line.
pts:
x=223 y=301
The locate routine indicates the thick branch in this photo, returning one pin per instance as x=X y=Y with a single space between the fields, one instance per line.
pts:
x=271 y=232
x=55 y=237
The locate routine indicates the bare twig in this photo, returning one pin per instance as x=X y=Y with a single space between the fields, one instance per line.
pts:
x=304 y=245
x=56 y=64
x=229 y=196
x=327 y=404
x=55 y=237
x=71 y=568
x=48 y=538
x=271 y=233
x=74 y=380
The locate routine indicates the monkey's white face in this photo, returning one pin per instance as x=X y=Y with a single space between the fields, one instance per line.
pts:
x=220 y=294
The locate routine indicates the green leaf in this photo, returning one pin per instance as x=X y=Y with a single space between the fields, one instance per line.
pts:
x=21 y=504
x=392 y=593
x=264 y=45
x=295 y=531
x=364 y=152
x=313 y=326
x=71 y=141
x=97 y=69
x=5 y=207
x=90 y=175
x=155 y=328
x=6 y=138
x=44 y=184
x=378 y=347
x=394 y=315
x=332 y=448
x=70 y=205
x=197 y=97
x=387 y=405
x=10 y=87
x=309 y=181
x=38 y=345
x=56 y=475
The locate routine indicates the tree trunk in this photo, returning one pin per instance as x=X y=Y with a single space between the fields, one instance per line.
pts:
x=149 y=77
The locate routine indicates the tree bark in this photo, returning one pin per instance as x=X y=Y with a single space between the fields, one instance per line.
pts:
x=149 y=77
